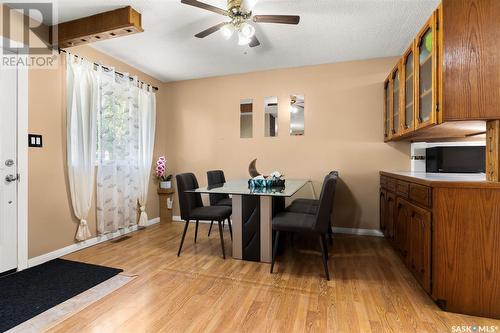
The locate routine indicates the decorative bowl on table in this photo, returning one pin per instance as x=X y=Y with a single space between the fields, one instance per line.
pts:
x=274 y=180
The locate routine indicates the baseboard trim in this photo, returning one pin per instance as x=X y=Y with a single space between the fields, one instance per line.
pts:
x=339 y=230
x=358 y=231
x=82 y=245
x=177 y=218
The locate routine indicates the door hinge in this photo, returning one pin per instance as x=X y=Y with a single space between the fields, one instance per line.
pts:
x=437 y=107
x=18 y=177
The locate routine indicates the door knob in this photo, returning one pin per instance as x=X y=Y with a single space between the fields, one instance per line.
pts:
x=11 y=178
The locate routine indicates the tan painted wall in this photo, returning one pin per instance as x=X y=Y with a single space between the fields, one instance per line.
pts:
x=343 y=131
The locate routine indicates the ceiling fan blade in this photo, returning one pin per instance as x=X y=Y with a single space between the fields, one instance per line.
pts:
x=254 y=42
x=210 y=30
x=283 y=19
x=205 y=6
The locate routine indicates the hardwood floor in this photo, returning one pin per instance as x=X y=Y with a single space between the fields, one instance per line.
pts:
x=370 y=290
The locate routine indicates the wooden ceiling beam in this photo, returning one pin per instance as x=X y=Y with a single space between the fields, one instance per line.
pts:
x=111 y=24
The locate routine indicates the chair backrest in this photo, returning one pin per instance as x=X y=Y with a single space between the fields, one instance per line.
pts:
x=216 y=177
x=188 y=200
x=326 y=202
x=336 y=174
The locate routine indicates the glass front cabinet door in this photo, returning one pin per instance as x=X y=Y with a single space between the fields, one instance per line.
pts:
x=426 y=75
x=408 y=91
x=396 y=101
x=387 y=109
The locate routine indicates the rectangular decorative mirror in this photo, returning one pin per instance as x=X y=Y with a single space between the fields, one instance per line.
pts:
x=246 y=118
x=271 y=116
x=297 y=105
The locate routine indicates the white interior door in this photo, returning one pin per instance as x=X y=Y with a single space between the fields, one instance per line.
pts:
x=8 y=169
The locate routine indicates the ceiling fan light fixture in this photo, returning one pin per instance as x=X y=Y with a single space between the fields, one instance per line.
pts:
x=247 y=30
x=239 y=12
x=242 y=39
x=227 y=31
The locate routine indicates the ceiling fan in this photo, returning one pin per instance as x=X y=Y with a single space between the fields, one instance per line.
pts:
x=240 y=13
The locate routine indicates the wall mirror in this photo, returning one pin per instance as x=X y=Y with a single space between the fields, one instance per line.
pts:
x=297 y=114
x=271 y=116
x=246 y=118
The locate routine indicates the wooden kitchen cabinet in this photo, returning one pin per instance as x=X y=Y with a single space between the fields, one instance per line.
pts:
x=390 y=211
x=396 y=101
x=446 y=233
x=401 y=228
x=407 y=222
x=419 y=245
x=426 y=72
x=387 y=213
x=387 y=109
x=411 y=91
x=412 y=239
x=408 y=91
x=454 y=57
x=383 y=208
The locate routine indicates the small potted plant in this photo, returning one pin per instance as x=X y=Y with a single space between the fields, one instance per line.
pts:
x=161 y=173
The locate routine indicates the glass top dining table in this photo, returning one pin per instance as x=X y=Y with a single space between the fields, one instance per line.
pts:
x=252 y=215
x=240 y=187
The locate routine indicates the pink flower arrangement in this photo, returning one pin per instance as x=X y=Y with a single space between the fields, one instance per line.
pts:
x=161 y=170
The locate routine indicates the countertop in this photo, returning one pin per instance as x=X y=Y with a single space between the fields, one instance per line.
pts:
x=473 y=180
x=443 y=177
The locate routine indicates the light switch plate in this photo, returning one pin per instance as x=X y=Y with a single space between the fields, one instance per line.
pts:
x=35 y=140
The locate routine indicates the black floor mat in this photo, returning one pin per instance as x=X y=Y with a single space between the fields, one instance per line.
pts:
x=30 y=292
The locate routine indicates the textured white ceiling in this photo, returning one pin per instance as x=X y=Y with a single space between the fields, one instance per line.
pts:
x=330 y=31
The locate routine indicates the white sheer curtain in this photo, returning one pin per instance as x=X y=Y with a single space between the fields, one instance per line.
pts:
x=111 y=121
x=118 y=151
x=82 y=104
x=147 y=120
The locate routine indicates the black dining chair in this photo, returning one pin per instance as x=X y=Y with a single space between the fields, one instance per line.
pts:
x=216 y=177
x=192 y=208
x=310 y=206
x=303 y=222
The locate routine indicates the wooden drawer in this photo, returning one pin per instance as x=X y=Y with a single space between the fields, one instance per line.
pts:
x=391 y=184
x=402 y=188
x=420 y=194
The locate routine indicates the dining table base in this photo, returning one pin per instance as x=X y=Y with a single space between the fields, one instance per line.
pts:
x=252 y=226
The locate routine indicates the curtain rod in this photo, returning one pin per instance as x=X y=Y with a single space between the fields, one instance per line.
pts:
x=109 y=69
